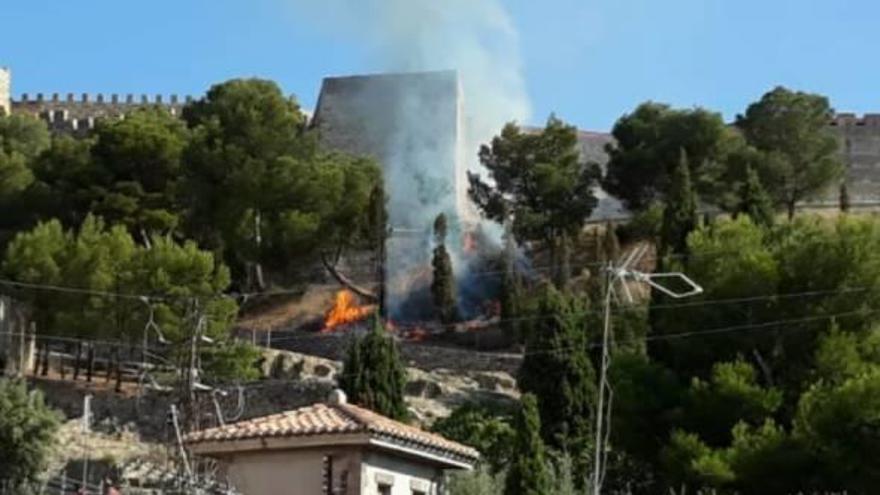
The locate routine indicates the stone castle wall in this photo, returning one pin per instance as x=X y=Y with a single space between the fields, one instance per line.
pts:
x=77 y=114
x=859 y=149
x=858 y=136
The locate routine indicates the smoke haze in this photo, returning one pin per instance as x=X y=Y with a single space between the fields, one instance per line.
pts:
x=424 y=165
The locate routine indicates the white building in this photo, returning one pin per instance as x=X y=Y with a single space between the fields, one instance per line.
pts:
x=332 y=448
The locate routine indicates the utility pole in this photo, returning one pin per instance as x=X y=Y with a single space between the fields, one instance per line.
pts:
x=619 y=275
x=86 y=427
x=175 y=419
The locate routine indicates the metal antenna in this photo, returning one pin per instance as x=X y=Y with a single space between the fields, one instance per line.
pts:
x=617 y=276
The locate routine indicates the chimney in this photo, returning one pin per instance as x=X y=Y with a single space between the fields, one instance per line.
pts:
x=337 y=397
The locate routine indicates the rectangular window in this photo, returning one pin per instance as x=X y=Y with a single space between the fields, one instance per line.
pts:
x=384 y=489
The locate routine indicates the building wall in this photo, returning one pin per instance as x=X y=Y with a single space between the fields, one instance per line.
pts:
x=406 y=477
x=5 y=90
x=293 y=472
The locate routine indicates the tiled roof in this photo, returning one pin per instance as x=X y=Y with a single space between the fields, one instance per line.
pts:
x=330 y=419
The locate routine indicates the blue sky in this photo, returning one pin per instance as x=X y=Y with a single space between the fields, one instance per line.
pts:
x=589 y=61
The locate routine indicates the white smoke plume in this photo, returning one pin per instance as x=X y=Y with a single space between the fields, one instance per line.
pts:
x=478 y=40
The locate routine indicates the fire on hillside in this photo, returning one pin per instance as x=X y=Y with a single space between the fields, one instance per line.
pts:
x=346 y=310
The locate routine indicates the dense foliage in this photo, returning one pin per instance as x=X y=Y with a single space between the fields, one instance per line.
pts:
x=782 y=138
x=539 y=185
x=178 y=211
x=373 y=375
x=529 y=472
x=443 y=280
x=27 y=436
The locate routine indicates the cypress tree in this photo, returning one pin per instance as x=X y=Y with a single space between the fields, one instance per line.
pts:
x=511 y=293
x=443 y=283
x=529 y=473
x=373 y=375
x=754 y=200
x=844 y=198
x=558 y=371
x=680 y=210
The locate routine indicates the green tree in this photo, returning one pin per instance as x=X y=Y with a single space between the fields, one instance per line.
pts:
x=538 y=185
x=484 y=428
x=754 y=200
x=647 y=405
x=731 y=259
x=791 y=126
x=188 y=282
x=443 y=281
x=843 y=198
x=843 y=355
x=139 y=160
x=841 y=426
x=529 y=472
x=557 y=370
x=477 y=482
x=259 y=190
x=373 y=375
x=39 y=257
x=27 y=436
x=64 y=175
x=679 y=212
x=648 y=146
x=732 y=395
x=179 y=280
x=22 y=139
x=512 y=297
x=232 y=361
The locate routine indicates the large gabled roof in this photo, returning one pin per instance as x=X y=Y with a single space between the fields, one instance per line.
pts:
x=330 y=421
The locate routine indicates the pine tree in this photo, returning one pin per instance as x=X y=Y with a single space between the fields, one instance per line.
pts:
x=27 y=436
x=844 y=198
x=529 y=472
x=443 y=284
x=558 y=371
x=754 y=200
x=680 y=210
x=373 y=375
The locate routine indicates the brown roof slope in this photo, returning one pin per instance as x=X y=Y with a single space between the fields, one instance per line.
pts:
x=327 y=419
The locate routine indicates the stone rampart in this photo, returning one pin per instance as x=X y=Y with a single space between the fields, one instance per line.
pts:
x=77 y=113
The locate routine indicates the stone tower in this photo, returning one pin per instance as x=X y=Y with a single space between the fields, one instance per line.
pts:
x=5 y=91
x=410 y=123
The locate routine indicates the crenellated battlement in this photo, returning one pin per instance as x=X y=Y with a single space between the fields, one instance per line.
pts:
x=851 y=119
x=100 y=99
x=77 y=113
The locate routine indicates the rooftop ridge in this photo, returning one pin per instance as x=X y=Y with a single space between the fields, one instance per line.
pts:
x=322 y=418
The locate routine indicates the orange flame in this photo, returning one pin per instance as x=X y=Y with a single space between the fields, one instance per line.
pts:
x=345 y=310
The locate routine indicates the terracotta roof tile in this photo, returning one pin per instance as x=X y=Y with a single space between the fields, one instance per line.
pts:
x=328 y=419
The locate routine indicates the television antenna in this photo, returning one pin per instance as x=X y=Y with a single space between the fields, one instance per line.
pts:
x=618 y=277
